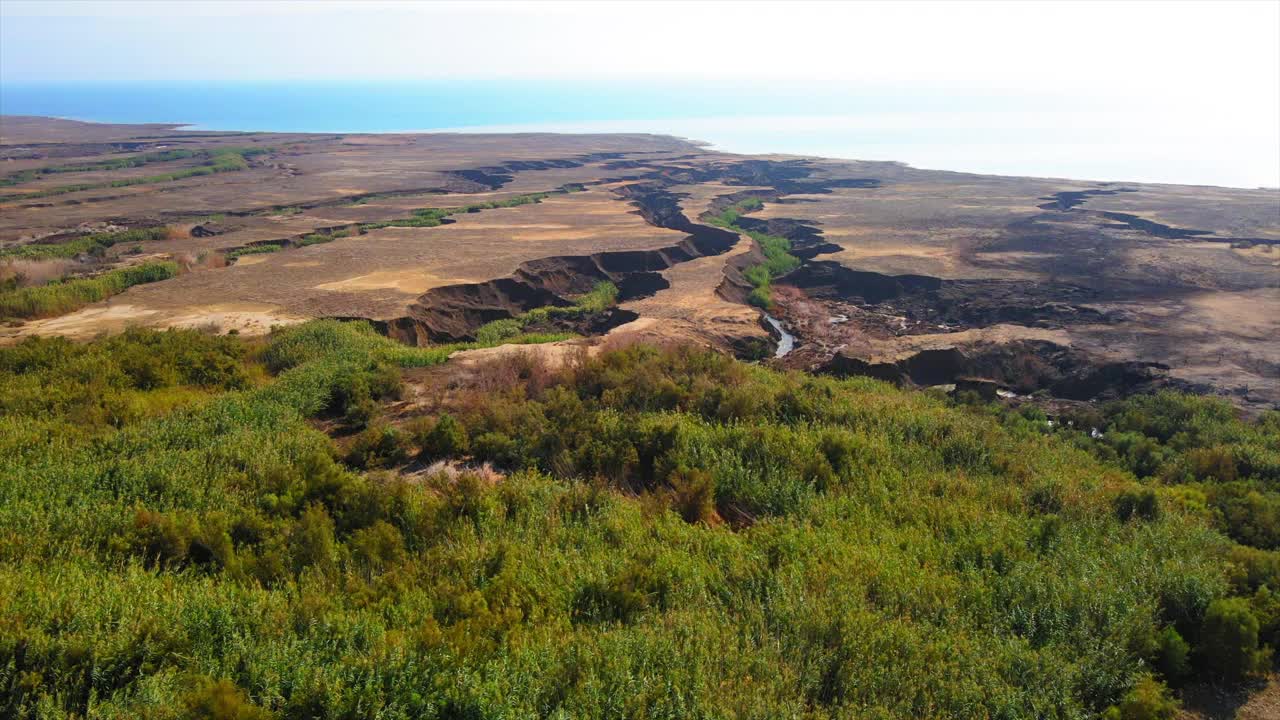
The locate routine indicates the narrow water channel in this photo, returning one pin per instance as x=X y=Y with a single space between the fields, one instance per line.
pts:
x=788 y=341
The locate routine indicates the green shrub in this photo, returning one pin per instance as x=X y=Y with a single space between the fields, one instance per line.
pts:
x=499 y=449
x=623 y=597
x=761 y=296
x=1248 y=513
x=1140 y=503
x=262 y=249
x=1228 y=641
x=882 y=552
x=433 y=217
x=112 y=164
x=92 y=243
x=602 y=296
x=62 y=297
x=376 y=447
x=1148 y=700
x=778 y=260
x=311 y=540
x=693 y=495
x=498 y=330
x=217 y=160
x=378 y=547
x=319 y=238
x=220 y=700
x=356 y=391
x=1172 y=655
x=446 y=439
x=1265 y=605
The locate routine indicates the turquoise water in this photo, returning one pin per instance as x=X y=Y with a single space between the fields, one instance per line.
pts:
x=1011 y=135
x=391 y=107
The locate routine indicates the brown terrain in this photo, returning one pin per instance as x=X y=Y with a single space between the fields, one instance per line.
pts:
x=1078 y=289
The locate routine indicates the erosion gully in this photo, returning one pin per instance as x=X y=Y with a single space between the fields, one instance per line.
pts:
x=878 y=304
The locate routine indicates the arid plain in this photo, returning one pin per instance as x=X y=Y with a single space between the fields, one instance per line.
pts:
x=1078 y=289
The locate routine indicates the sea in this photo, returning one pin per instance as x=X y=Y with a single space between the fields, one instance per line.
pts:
x=993 y=133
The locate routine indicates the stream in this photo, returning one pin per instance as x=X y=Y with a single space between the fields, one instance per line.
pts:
x=787 y=342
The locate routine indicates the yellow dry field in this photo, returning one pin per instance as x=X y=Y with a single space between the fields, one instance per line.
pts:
x=1209 y=310
x=691 y=308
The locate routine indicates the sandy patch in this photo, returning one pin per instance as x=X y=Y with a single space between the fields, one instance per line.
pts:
x=90 y=322
x=413 y=282
x=84 y=323
x=1269 y=254
x=507 y=227
x=899 y=260
x=690 y=310
x=553 y=356
x=1254 y=314
x=245 y=318
x=908 y=345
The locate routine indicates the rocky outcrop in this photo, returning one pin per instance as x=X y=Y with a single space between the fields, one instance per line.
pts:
x=1024 y=367
x=955 y=303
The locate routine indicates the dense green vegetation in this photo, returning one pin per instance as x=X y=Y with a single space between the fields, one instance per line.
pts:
x=64 y=296
x=90 y=244
x=1224 y=471
x=113 y=164
x=260 y=249
x=675 y=534
x=218 y=160
x=778 y=260
x=602 y=297
x=319 y=238
x=315 y=238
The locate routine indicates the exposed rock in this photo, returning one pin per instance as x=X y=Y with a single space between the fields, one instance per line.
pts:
x=1025 y=366
x=985 y=389
x=208 y=229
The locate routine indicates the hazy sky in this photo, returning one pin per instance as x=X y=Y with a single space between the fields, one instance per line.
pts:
x=1200 y=71
x=1216 y=48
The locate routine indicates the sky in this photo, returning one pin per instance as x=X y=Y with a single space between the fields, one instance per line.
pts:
x=1196 y=71
x=1180 y=48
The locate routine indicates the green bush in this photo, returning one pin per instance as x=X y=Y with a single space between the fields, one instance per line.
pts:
x=263 y=249
x=693 y=495
x=91 y=243
x=778 y=260
x=499 y=330
x=113 y=164
x=357 y=389
x=1148 y=700
x=62 y=297
x=623 y=597
x=433 y=217
x=1172 y=655
x=376 y=447
x=1140 y=503
x=1247 y=512
x=320 y=238
x=761 y=296
x=1228 y=641
x=1201 y=444
x=499 y=449
x=602 y=296
x=378 y=547
x=446 y=439
x=220 y=700
x=217 y=160
x=855 y=549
